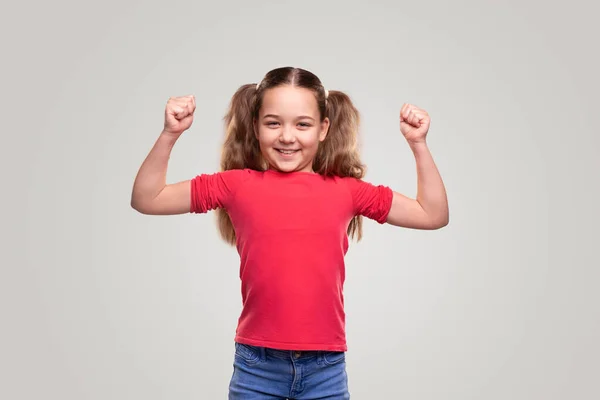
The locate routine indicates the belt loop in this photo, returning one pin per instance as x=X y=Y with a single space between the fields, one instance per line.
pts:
x=320 y=357
x=263 y=353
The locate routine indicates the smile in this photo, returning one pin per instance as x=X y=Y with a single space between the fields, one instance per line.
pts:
x=286 y=152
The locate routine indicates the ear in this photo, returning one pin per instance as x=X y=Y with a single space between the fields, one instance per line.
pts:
x=324 y=129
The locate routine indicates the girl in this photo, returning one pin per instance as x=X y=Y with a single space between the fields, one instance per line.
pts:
x=289 y=195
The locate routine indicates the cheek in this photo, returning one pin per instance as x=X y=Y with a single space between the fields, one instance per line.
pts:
x=311 y=141
x=266 y=137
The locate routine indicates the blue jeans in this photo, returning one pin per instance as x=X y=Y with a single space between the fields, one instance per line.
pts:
x=261 y=373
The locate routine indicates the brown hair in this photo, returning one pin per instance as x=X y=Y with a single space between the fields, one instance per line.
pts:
x=337 y=154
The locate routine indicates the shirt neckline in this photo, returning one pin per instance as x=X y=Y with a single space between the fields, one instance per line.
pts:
x=291 y=173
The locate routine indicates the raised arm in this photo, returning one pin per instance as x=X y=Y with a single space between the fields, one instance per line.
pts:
x=430 y=209
x=151 y=194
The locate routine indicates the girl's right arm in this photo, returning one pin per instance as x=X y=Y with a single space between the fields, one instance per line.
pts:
x=151 y=194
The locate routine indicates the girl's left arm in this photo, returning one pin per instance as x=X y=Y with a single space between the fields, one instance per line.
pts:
x=430 y=209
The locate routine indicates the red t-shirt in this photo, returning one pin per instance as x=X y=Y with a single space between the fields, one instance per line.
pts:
x=291 y=238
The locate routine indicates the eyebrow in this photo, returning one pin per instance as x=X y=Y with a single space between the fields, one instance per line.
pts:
x=277 y=116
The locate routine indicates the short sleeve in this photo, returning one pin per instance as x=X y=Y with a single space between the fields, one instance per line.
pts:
x=217 y=190
x=371 y=201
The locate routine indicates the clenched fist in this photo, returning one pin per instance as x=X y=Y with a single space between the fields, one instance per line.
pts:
x=414 y=123
x=179 y=114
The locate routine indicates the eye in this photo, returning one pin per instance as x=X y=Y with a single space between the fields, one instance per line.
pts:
x=272 y=123
x=304 y=124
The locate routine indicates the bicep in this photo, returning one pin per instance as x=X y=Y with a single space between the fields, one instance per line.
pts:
x=173 y=199
x=408 y=213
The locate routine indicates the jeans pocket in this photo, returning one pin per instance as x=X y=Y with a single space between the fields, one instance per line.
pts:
x=248 y=353
x=333 y=357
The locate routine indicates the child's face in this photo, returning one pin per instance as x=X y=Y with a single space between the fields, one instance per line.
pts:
x=288 y=128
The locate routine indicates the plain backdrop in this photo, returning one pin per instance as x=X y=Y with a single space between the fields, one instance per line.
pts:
x=100 y=302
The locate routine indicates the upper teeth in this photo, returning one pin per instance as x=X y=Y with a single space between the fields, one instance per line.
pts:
x=287 y=151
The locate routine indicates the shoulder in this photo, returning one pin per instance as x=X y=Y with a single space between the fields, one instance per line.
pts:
x=229 y=180
x=218 y=189
x=367 y=197
x=352 y=184
x=231 y=175
x=239 y=174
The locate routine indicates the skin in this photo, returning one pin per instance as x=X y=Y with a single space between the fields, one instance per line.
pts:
x=289 y=121
x=430 y=208
x=280 y=125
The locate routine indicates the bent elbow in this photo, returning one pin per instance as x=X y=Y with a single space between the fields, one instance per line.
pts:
x=441 y=222
x=140 y=206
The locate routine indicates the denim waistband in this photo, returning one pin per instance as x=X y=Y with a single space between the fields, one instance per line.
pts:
x=288 y=354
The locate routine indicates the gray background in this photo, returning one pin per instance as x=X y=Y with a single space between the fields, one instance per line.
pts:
x=100 y=302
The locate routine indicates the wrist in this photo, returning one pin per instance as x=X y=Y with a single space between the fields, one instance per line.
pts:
x=168 y=137
x=418 y=145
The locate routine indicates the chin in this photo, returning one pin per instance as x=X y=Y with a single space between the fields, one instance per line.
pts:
x=286 y=167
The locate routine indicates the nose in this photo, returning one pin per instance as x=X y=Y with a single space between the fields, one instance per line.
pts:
x=287 y=135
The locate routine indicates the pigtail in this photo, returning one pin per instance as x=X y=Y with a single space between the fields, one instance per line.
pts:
x=338 y=154
x=240 y=148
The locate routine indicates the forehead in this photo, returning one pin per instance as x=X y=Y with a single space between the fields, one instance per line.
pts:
x=289 y=101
